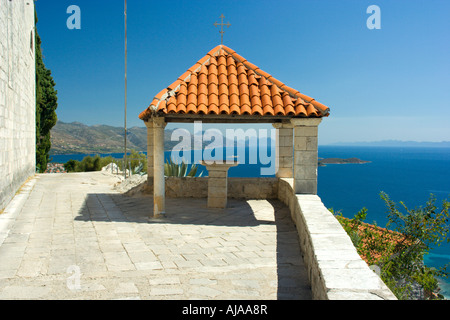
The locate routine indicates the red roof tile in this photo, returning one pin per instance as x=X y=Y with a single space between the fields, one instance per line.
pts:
x=224 y=82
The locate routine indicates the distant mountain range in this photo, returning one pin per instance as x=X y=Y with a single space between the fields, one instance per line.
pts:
x=78 y=138
x=394 y=143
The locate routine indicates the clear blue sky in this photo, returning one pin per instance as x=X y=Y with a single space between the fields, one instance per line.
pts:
x=392 y=83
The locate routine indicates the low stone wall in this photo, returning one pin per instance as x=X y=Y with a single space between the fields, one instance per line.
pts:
x=253 y=188
x=238 y=188
x=335 y=269
x=186 y=187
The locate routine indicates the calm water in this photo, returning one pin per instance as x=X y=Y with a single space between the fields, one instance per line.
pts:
x=405 y=174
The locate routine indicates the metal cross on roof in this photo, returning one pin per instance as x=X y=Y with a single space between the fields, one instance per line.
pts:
x=221 y=27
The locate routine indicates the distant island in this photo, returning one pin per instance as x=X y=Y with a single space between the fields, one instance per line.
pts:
x=324 y=162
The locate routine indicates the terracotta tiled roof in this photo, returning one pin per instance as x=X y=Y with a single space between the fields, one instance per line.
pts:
x=223 y=82
x=387 y=239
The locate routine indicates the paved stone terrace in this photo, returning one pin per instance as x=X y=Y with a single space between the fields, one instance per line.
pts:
x=74 y=223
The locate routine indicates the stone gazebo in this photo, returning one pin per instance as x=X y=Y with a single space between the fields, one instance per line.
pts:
x=223 y=87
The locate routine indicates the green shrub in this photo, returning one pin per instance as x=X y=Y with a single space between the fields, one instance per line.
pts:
x=399 y=251
x=137 y=161
x=105 y=161
x=88 y=164
x=71 y=165
x=174 y=169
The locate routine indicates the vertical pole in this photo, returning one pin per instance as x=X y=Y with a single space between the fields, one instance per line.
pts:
x=126 y=84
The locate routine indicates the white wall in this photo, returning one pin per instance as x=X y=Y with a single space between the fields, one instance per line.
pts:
x=17 y=96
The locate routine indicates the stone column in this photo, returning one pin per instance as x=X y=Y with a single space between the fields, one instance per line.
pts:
x=150 y=142
x=159 y=189
x=305 y=155
x=284 y=153
x=218 y=183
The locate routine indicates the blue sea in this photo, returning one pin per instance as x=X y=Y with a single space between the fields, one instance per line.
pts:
x=406 y=174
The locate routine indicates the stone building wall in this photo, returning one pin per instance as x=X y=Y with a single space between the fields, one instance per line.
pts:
x=17 y=96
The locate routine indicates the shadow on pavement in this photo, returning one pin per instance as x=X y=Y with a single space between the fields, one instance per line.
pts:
x=292 y=279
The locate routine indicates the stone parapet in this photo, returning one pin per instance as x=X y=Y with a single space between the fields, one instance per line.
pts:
x=335 y=269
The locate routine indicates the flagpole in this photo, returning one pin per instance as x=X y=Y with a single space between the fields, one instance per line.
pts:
x=126 y=54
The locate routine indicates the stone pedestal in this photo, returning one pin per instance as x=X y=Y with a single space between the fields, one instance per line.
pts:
x=218 y=183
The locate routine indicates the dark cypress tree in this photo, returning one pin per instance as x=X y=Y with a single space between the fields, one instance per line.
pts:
x=46 y=104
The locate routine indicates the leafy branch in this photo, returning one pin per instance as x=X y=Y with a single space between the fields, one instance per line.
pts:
x=399 y=248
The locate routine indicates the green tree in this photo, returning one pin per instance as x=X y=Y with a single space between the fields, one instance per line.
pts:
x=71 y=165
x=422 y=228
x=46 y=105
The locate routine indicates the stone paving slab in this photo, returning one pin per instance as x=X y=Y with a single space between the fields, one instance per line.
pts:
x=72 y=236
